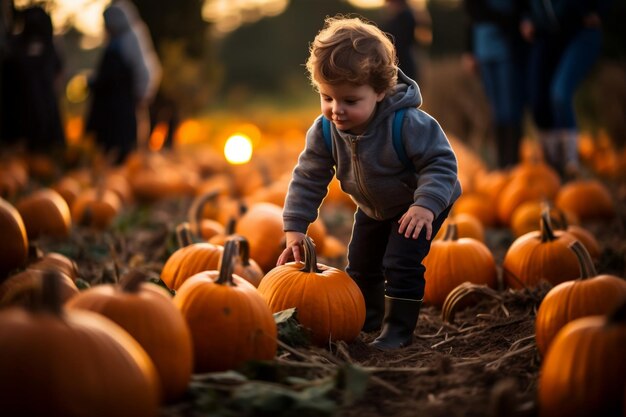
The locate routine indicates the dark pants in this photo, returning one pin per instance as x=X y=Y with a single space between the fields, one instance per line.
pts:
x=378 y=255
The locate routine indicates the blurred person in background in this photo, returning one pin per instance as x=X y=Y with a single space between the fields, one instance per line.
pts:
x=146 y=67
x=112 y=116
x=566 y=40
x=31 y=77
x=499 y=54
x=410 y=30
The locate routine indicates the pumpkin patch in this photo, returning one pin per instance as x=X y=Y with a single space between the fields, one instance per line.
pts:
x=177 y=249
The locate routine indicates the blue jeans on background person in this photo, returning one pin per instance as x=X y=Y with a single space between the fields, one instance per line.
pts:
x=558 y=66
x=501 y=56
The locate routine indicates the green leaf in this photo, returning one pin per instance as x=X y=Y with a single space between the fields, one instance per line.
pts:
x=290 y=331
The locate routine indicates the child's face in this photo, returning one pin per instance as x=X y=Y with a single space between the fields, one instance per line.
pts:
x=349 y=106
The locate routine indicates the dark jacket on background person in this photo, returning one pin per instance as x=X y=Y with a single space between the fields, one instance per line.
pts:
x=112 y=116
x=31 y=70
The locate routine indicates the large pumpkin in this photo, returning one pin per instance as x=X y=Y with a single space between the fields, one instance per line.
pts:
x=453 y=261
x=328 y=301
x=64 y=363
x=540 y=255
x=589 y=295
x=147 y=312
x=14 y=241
x=230 y=322
x=584 y=371
x=45 y=212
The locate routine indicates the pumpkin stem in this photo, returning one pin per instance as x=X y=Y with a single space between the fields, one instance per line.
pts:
x=196 y=210
x=50 y=298
x=452 y=231
x=230 y=226
x=587 y=268
x=227 y=262
x=547 y=231
x=244 y=249
x=132 y=280
x=183 y=235
x=310 y=257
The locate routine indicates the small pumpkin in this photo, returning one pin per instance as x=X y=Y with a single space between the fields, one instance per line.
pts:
x=453 y=261
x=540 y=255
x=190 y=259
x=23 y=288
x=14 y=241
x=589 y=199
x=45 y=212
x=57 y=261
x=467 y=225
x=584 y=371
x=328 y=301
x=481 y=206
x=96 y=208
x=262 y=225
x=63 y=363
x=147 y=312
x=589 y=295
x=230 y=323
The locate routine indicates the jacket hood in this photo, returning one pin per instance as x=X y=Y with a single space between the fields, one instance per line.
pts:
x=116 y=21
x=406 y=93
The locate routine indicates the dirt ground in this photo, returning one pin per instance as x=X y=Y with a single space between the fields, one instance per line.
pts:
x=485 y=363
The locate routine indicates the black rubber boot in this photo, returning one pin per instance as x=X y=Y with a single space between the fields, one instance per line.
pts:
x=398 y=324
x=374 y=306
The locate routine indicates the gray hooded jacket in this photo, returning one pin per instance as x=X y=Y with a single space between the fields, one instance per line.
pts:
x=369 y=169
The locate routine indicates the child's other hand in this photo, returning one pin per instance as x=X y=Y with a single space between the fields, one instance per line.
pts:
x=416 y=218
x=293 y=245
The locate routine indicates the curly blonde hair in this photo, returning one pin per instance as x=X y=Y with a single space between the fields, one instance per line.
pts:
x=354 y=51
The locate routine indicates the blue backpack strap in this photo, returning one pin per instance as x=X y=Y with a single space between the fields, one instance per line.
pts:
x=327 y=135
x=396 y=136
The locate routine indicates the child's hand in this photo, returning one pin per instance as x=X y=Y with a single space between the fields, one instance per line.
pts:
x=292 y=248
x=416 y=218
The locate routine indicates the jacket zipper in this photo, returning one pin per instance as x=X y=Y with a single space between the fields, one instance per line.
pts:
x=359 y=180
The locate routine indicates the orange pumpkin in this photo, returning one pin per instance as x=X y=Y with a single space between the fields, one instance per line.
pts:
x=190 y=259
x=14 y=241
x=589 y=295
x=453 y=261
x=45 y=212
x=529 y=181
x=23 y=287
x=96 y=207
x=587 y=199
x=59 y=262
x=584 y=371
x=57 y=362
x=328 y=301
x=147 y=312
x=479 y=206
x=230 y=322
x=540 y=255
x=69 y=188
x=467 y=225
x=262 y=225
